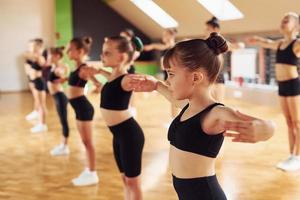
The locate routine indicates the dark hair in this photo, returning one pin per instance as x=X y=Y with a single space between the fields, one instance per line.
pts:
x=129 y=32
x=213 y=22
x=126 y=46
x=197 y=53
x=84 y=43
x=38 y=41
x=57 y=50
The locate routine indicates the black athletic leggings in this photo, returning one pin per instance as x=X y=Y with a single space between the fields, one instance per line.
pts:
x=128 y=143
x=61 y=102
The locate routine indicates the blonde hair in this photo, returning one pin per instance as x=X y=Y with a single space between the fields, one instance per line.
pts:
x=296 y=17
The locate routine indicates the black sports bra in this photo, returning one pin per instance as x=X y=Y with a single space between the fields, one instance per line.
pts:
x=34 y=65
x=113 y=97
x=75 y=80
x=188 y=135
x=52 y=76
x=287 y=55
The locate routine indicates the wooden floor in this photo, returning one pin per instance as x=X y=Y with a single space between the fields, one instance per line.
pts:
x=27 y=171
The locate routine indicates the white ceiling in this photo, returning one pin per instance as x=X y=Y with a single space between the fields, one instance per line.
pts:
x=260 y=16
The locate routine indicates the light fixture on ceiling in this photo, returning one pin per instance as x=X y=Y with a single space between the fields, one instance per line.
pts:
x=222 y=9
x=156 y=13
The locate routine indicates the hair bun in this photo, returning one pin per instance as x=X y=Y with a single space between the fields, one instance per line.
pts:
x=216 y=43
x=88 y=40
x=129 y=32
x=138 y=44
x=214 y=19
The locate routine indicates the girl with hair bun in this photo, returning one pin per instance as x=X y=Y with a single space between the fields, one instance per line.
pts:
x=56 y=78
x=128 y=137
x=196 y=135
x=84 y=111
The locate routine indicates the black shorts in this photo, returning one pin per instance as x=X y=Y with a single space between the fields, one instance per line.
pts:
x=289 y=87
x=84 y=110
x=204 y=188
x=39 y=84
x=128 y=144
x=220 y=79
x=131 y=69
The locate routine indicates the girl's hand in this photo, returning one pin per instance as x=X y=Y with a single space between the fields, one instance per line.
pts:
x=86 y=72
x=148 y=47
x=142 y=83
x=61 y=80
x=252 y=40
x=250 y=129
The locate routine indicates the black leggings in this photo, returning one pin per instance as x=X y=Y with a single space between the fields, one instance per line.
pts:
x=61 y=102
x=84 y=110
x=128 y=144
x=204 y=188
x=289 y=87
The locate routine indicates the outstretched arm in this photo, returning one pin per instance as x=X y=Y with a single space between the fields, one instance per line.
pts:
x=155 y=46
x=239 y=126
x=146 y=83
x=235 y=45
x=163 y=89
x=104 y=73
x=263 y=42
x=297 y=48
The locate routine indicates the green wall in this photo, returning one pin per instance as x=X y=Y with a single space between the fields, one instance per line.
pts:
x=63 y=26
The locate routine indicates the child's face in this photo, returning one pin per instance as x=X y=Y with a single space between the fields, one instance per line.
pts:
x=74 y=53
x=111 y=57
x=54 y=57
x=38 y=48
x=288 y=24
x=181 y=80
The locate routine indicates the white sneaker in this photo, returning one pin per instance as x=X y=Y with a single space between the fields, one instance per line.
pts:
x=86 y=178
x=31 y=116
x=292 y=165
x=60 y=150
x=39 y=128
x=283 y=163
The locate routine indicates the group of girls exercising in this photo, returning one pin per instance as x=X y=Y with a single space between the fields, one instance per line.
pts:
x=193 y=70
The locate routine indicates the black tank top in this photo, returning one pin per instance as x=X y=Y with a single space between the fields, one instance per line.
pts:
x=34 y=65
x=188 y=135
x=287 y=55
x=52 y=76
x=113 y=97
x=75 y=80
